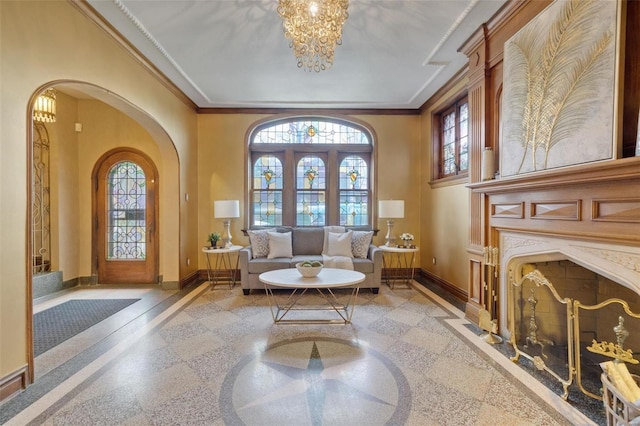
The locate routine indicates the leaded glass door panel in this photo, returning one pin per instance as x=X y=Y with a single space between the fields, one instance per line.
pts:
x=126 y=245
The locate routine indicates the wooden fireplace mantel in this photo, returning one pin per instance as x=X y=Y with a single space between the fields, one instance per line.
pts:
x=604 y=172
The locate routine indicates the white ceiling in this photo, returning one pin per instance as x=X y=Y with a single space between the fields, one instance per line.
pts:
x=395 y=54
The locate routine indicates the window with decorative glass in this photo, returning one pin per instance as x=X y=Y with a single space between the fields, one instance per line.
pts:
x=451 y=141
x=310 y=172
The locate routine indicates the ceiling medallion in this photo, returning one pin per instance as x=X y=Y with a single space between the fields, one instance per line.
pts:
x=314 y=29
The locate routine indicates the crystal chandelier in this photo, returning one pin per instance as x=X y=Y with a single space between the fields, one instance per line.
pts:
x=44 y=108
x=314 y=28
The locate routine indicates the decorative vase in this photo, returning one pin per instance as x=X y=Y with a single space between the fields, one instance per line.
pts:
x=213 y=244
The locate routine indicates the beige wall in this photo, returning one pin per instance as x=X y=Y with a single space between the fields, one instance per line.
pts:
x=65 y=241
x=51 y=41
x=444 y=213
x=222 y=169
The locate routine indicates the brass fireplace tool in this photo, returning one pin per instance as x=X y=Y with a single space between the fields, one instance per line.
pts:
x=488 y=324
x=532 y=338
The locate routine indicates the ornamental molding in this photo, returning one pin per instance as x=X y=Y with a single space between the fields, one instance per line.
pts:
x=624 y=259
x=512 y=243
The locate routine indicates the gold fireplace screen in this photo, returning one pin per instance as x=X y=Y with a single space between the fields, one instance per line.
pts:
x=566 y=337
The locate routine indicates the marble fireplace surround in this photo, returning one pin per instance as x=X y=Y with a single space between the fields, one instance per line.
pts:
x=618 y=263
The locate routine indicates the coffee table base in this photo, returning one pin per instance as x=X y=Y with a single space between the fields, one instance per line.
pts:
x=280 y=310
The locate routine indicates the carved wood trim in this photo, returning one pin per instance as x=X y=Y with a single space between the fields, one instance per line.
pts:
x=616 y=210
x=557 y=210
x=508 y=210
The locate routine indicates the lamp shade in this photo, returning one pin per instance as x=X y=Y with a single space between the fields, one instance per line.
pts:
x=226 y=209
x=391 y=209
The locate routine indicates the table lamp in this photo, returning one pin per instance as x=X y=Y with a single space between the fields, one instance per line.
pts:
x=227 y=210
x=390 y=209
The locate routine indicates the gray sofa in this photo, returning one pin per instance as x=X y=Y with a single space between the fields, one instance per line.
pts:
x=307 y=244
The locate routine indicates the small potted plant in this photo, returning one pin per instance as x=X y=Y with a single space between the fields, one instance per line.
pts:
x=213 y=238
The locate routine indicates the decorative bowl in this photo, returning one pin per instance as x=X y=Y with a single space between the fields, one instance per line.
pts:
x=308 y=271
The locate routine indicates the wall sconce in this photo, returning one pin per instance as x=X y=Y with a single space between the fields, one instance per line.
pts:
x=390 y=209
x=227 y=210
x=44 y=108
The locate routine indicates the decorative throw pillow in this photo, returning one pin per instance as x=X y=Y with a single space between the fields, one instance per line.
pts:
x=339 y=244
x=259 y=242
x=279 y=245
x=327 y=229
x=360 y=243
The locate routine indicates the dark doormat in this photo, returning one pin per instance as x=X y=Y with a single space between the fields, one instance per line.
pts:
x=57 y=324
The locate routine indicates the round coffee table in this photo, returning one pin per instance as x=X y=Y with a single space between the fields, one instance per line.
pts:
x=324 y=283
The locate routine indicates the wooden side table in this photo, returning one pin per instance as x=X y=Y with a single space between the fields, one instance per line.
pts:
x=398 y=263
x=220 y=269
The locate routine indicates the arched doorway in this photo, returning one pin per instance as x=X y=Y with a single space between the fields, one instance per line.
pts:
x=125 y=212
x=73 y=224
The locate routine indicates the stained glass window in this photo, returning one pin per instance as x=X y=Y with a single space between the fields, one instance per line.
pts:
x=463 y=139
x=310 y=194
x=267 y=191
x=310 y=171
x=354 y=194
x=311 y=132
x=126 y=213
x=454 y=140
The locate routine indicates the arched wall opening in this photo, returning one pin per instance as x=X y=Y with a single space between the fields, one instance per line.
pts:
x=91 y=121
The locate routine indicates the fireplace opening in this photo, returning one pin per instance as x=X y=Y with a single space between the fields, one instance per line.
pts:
x=568 y=319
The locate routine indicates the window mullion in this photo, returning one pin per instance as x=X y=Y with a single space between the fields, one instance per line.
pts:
x=331 y=194
x=289 y=184
x=457 y=139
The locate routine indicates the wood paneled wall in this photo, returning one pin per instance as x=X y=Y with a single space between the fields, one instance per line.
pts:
x=580 y=202
x=485 y=51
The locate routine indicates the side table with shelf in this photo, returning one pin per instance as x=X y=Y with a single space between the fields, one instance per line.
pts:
x=219 y=269
x=398 y=264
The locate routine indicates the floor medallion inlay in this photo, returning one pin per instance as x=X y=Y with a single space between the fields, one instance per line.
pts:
x=315 y=381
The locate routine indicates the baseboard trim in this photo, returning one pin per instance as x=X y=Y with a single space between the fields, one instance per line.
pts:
x=13 y=383
x=192 y=278
x=456 y=292
x=224 y=274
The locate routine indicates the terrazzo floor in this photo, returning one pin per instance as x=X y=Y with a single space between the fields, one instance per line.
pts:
x=205 y=356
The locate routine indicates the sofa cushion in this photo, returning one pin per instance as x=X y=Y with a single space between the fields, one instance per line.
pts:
x=307 y=241
x=279 y=244
x=360 y=242
x=258 y=266
x=339 y=244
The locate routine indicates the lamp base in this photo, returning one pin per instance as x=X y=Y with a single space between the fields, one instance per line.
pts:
x=390 y=238
x=227 y=237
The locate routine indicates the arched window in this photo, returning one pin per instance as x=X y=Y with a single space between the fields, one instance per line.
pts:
x=311 y=184
x=126 y=218
x=310 y=172
x=267 y=191
x=354 y=191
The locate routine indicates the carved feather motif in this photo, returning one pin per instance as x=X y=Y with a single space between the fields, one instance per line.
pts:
x=556 y=77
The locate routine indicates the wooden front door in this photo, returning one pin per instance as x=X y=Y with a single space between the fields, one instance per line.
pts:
x=125 y=241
